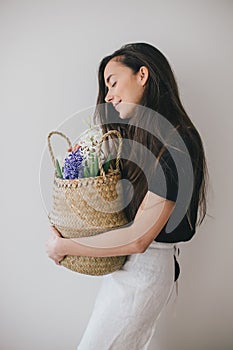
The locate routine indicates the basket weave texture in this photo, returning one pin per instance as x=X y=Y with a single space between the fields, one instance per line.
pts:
x=86 y=207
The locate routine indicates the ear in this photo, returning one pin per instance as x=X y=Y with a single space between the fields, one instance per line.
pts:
x=143 y=75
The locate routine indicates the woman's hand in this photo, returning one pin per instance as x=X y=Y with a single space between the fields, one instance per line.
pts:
x=53 y=246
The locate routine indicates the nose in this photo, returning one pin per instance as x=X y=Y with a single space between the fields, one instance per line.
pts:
x=108 y=97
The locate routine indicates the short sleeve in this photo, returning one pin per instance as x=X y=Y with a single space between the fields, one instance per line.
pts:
x=163 y=180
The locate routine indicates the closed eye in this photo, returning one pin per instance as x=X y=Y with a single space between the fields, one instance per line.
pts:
x=114 y=84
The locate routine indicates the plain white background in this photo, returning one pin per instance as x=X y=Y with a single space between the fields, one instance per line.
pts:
x=50 y=51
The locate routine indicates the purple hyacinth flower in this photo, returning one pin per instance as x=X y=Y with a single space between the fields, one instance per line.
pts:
x=72 y=165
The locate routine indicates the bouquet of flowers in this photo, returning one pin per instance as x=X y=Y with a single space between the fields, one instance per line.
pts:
x=83 y=161
x=85 y=200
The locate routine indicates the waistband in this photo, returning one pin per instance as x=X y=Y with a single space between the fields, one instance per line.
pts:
x=161 y=245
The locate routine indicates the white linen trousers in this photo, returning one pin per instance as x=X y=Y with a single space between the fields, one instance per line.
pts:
x=131 y=300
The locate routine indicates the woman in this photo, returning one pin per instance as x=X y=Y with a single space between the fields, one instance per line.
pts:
x=138 y=95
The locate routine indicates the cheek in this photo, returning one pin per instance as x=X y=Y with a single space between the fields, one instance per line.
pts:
x=133 y=93
x=124 y=90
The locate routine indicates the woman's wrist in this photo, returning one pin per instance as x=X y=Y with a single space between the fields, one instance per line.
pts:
x=62 y=246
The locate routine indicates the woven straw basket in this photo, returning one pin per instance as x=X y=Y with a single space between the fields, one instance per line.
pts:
x=86 y=207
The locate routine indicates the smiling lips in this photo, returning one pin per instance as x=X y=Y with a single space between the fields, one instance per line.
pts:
x=116 y=104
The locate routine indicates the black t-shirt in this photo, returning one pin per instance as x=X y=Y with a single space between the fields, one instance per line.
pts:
x=174 y=180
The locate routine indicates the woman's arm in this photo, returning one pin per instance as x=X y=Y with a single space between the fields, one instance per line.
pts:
x=151 y=217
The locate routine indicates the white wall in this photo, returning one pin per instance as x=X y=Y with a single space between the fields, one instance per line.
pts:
x=50 y=51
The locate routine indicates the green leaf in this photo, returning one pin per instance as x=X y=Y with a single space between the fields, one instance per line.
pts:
x=96 y=165
x=92 y=164
x=86 y=172
x=58 y=169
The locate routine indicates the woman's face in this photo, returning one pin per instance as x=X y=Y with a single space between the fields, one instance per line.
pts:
x=125 y=89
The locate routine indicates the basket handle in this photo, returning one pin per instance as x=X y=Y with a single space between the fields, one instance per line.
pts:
x=116 y=132
x=50 y=147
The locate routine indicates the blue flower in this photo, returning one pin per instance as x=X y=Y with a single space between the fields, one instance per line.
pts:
x=73 y=165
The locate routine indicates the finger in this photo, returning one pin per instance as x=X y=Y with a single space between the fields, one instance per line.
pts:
x=53 y=230
x=56 y=233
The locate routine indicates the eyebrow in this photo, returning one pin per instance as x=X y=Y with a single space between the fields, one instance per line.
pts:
x=108 y=78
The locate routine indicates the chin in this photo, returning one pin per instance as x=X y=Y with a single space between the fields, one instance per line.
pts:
x=124 y=113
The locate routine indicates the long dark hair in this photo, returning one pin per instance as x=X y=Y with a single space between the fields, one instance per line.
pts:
x=161 y=95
